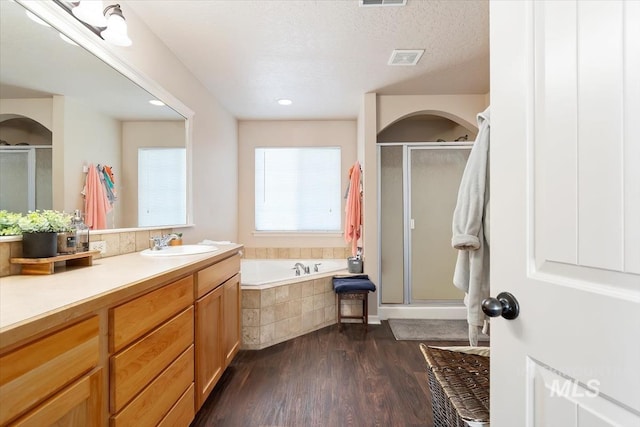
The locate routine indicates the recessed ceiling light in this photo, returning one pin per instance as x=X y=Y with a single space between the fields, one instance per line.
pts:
x=285 y=102
x=156 y=102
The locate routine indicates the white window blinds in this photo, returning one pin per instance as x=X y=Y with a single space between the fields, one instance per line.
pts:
x=297 y=189
x=162 y=184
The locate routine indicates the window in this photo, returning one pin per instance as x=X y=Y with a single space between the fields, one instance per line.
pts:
x=298 y=189
x=162 y=177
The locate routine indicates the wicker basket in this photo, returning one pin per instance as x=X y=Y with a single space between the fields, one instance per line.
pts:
x=459 y=384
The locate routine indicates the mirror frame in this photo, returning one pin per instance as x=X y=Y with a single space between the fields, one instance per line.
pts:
x=64 y=22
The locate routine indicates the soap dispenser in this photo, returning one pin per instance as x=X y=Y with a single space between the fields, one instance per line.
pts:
x=82 y=232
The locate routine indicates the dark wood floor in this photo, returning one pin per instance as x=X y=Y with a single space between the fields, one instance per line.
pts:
x=325 y=378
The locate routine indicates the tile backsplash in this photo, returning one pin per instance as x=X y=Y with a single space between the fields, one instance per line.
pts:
x=135 y=241
x=117 y=244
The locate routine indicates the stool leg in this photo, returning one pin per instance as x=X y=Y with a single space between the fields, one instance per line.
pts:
x=339 y=312
x=365 y=311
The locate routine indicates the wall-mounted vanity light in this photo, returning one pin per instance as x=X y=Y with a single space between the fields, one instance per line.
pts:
x=116 y=32
x=108 y=22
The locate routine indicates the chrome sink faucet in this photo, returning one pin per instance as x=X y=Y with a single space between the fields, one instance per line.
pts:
x=161 y=242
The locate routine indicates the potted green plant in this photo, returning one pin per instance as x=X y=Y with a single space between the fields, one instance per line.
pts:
x=40 y=230
x=9 y=223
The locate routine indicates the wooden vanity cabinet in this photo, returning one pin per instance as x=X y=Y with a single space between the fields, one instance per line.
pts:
x=148 y=360
x=151 y=367
x=217 y=323
x=54 y=379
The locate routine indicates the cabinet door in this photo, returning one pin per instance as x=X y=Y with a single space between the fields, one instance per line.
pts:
x=31 y=374
x=77 y=405
x=232 y=297
x=209 y=351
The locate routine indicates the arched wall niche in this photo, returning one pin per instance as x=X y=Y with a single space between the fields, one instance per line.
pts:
x=461 y=109
x=428 y=126
x=18 y=129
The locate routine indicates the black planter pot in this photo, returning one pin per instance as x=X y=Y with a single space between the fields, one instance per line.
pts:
x=39 y=245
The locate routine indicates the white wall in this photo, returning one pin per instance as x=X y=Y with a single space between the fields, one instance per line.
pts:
x=214 y=134
x=252 y=134
x=100 y=138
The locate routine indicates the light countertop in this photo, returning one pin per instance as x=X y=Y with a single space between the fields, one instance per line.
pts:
x=31 y=302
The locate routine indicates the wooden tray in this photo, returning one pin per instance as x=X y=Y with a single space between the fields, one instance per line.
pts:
x=46 y=265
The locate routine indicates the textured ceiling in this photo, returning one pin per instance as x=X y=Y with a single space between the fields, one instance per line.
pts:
x=323 y=55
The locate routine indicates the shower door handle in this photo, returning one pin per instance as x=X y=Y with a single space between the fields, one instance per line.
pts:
x=506 y=305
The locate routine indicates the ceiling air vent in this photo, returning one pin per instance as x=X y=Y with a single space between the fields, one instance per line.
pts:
x=383 y=3
x=405 y=57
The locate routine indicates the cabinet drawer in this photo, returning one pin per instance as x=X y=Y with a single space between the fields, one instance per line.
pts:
x=138 y=365
x=182 y=412
x=157 y=400
x=211 y=277
x=30 y=374
x=77 y=405
x=137 y=317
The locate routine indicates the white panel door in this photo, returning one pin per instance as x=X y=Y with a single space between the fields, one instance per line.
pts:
x=565 y=212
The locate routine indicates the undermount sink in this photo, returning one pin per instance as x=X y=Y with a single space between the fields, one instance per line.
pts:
x=179 y=250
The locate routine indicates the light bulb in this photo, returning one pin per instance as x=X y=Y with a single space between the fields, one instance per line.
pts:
x=116 y=32
x=91 y=12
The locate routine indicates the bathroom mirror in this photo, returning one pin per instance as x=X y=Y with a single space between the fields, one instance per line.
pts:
x=94 y=113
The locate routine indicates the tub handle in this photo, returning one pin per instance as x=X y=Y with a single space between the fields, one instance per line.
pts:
x=297 y=269
x=315 y=267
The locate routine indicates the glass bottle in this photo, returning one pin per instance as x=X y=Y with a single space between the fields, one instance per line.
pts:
x=82 y=232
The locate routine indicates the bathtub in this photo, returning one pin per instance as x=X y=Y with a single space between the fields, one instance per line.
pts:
x=267 y=273
x=277 y=305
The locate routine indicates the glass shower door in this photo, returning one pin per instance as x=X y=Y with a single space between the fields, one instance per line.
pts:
x=16 y=180
x=435 y=174
x=25 y=179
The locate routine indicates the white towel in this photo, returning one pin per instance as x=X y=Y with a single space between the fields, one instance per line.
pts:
x=470 y=221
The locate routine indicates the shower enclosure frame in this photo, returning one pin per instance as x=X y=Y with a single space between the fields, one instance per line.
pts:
x=407 y=148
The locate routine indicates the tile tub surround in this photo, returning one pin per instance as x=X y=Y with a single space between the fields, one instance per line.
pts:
x=118 y=243
x=277 y=314
x=297 y=253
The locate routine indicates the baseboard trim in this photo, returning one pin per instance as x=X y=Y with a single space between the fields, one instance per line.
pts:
x=374 y=320
x=385 y=313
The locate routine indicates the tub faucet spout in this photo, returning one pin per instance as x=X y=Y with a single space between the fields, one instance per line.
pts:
x=300 y=266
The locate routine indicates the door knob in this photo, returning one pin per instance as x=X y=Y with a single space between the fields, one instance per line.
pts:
x=506 y=305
